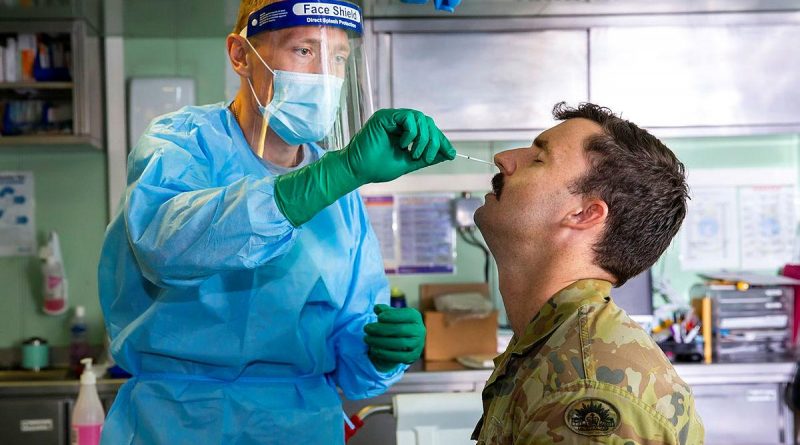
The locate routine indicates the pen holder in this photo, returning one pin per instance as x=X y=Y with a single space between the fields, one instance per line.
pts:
x=682 y=352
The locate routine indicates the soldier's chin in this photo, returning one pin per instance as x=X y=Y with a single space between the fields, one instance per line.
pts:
x=477 y=217
x=481 y=219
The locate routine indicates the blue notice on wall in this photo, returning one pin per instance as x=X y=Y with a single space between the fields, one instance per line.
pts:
x=415 y=232
x=426 y=234
x=17 y=228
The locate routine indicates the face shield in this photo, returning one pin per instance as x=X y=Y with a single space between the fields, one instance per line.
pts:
x=310 y=80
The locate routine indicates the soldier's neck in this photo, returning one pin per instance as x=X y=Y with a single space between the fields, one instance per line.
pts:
x=527 y=285
x=522 y=297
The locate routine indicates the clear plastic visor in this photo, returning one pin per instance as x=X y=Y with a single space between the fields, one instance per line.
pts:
x=310 y=84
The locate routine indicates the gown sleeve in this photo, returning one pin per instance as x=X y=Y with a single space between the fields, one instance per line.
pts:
x=355 y=374
x=184 y=226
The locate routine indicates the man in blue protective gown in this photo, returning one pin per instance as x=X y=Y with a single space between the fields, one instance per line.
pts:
x=239 y=280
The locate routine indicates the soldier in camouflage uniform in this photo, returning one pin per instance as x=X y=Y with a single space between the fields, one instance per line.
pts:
x=593 y=202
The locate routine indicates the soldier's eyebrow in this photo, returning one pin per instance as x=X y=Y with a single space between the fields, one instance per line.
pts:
x=542 y=144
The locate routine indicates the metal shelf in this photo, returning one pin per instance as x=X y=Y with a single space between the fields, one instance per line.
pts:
x=81 y=90
x=36 y=85
x=47 y=141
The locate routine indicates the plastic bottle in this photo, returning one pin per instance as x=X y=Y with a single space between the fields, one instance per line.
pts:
x=79 y=343
x=397 y=298
x=88 y=415
x=55 y=281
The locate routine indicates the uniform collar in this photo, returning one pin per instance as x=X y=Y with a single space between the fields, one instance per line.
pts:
x=560 y=307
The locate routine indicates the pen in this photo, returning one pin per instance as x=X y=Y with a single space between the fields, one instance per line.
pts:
x=676 y=333
x=692 y=334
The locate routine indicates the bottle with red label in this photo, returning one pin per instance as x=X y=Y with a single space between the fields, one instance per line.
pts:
x=88 y=415
x=55 y=281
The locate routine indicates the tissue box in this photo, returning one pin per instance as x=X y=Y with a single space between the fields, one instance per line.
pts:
x=446 y=341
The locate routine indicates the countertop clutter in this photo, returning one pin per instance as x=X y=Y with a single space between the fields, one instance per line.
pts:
x=426 y=377
x=723 y=391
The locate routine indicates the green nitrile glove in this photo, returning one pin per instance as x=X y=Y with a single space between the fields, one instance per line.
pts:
x=397 y=337
x=377 y=153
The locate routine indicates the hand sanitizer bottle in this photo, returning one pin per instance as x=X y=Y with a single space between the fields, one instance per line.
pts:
x=88 y=415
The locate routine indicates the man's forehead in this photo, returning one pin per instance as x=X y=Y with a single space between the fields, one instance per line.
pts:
x=334 y=36
x=571 y=132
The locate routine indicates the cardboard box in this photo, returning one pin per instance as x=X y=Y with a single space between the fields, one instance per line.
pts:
x=447 y=340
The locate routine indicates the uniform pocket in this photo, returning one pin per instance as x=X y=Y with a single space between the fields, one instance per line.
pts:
x=494 y=432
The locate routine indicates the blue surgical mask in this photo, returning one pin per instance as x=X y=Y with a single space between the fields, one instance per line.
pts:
x=304 y=105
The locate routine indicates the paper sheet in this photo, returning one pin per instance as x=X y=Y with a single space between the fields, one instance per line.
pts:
x=17 y=228
x=768 y=225
x=382 y=213
x=710 y=238
x=415 y=232
x=427 y=236
x=748 y=225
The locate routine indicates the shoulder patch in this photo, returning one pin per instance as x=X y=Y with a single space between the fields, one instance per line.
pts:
x=592 y=417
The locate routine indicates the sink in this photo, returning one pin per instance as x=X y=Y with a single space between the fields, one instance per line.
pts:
x=21 y=375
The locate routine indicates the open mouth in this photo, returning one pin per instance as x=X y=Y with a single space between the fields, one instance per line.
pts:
x=497 y=185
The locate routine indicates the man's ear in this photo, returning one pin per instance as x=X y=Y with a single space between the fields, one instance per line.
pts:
x=237 y=54
x=593 y=212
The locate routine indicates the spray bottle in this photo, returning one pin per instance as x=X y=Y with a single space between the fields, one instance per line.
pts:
x=55 y=282
x=88 y=415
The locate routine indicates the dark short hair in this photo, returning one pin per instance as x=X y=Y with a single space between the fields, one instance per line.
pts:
x=641 y=181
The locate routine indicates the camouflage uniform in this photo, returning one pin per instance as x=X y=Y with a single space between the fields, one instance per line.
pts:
x=584 y=372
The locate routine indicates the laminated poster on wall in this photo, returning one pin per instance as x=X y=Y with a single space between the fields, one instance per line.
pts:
x=382 y=217
x=746 y=220
x=17 y=228
x=427 y=236
x=768 y=224
x=710 y=238
x=415 y=232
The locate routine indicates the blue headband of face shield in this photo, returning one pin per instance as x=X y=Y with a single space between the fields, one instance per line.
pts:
x=290 y=13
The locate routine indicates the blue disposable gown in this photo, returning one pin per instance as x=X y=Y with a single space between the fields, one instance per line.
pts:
x=236 y=326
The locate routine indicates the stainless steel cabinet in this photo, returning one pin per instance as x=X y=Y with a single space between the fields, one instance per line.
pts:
x=751 y=414
x=473 y=83
x=40 y=413
x=677 y=74
x=672 y=76
x=34 y=421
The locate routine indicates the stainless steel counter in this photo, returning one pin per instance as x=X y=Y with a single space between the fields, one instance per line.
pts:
x=724 y=394
x=731 y=373
x=55 y=388
x=451 y=376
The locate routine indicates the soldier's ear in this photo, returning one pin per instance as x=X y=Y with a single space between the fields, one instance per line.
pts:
x=591 y=213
